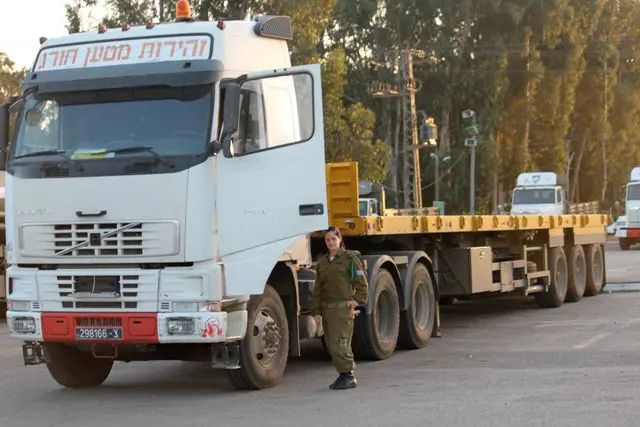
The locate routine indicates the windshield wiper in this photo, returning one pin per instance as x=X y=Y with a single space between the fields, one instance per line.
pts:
x=43 y=153
x=137 y=149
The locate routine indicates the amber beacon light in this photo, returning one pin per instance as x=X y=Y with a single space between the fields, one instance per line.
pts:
x=183 y=11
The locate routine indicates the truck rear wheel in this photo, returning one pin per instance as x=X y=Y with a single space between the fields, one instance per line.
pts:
x=595 y=270
x=577 y=274
x=71 y=367
x=375 y=336
x=558 y=279
x=265 y=348
x=416 y=323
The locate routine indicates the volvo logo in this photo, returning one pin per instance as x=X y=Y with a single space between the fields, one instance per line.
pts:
x=33 y=212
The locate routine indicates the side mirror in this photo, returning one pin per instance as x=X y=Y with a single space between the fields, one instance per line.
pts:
x=4 y=134
x=231 y=110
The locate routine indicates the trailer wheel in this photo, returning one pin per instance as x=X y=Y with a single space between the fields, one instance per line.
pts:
x=375 y=336
x=625 y=244
x=557 y=292
x=265 y=348
x=416 y=323
x=595 y=270
x=577 y=274
x=73 y=368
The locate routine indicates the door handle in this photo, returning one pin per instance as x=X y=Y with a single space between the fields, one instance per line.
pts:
x=87 y=215
x=314 y=209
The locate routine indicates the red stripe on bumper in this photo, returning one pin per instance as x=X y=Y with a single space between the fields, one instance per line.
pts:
x=137 y=328
x=635 y=234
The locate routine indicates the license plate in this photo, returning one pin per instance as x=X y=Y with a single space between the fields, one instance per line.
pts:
x=99 y=333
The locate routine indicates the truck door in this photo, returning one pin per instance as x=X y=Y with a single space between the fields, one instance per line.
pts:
x=272 y=190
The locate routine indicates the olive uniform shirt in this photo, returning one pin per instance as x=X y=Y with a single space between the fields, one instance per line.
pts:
x=340 y=279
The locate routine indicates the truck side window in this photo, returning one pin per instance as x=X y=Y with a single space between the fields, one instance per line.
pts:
x=274 y=112
x=252 y=133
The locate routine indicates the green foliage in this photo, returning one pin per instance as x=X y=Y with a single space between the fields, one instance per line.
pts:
x=555 y=83
x=10 y=78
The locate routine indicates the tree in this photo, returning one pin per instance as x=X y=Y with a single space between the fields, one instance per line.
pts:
x=10 y=78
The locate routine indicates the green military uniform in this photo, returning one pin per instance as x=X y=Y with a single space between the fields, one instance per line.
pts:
x=339 y=280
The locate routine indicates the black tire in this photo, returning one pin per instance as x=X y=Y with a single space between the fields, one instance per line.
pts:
x=416 y=323
x=262 y=365
x=73 y=368
x=375 y=336
x=558 y=271
x=625 y=244
x=577 y=274
x=595 y=270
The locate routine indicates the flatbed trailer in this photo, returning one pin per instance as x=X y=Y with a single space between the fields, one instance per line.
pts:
x=413 y=263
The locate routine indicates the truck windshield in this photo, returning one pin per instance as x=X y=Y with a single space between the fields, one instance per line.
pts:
x=171 y=122
x=633 y=192
x=532 y=196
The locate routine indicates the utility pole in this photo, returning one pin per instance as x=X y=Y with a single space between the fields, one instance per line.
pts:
x=161 y=10
x=411 y=179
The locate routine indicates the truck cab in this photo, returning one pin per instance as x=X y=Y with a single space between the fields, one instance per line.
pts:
x=628 y=226
x=161 y=185
x=539 y=193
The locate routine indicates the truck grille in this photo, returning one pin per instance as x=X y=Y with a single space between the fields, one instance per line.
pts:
x=112 y=292
x=109 y=239
x=98 y=322
x=126 y=242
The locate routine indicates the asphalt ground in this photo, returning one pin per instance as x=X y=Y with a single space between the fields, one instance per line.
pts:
x=500 y=362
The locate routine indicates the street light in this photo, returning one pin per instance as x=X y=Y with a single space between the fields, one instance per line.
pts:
x=471 y=131
x=436 y=156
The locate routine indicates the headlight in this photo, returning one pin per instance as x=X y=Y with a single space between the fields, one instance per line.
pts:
x=180 y=326
x=24 y=325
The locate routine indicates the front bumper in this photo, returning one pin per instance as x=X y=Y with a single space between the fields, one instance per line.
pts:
x=628 y=233
x=132 y=328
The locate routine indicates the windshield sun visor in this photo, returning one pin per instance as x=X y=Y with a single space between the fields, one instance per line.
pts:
x=170 y=73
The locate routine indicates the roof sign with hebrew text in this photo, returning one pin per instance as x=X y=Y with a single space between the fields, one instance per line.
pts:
x=128 y=51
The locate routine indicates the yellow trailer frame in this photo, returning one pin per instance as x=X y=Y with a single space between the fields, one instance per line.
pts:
x=343 y=194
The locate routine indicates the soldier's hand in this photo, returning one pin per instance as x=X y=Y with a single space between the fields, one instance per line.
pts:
x=318 y=319
x=352 y=304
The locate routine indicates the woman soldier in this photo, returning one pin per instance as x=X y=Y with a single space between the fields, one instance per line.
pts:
x=339 y=288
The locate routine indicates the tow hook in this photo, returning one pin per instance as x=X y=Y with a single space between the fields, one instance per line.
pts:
x=104 y=351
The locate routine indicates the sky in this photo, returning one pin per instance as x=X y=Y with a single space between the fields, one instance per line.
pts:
x=19 y=38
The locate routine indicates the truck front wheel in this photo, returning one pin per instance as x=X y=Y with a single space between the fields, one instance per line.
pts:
x=625 y=244
x=71 y=367
x=265 y=348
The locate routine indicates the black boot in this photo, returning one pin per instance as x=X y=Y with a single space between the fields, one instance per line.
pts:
x=345 y=381
x=333 y=385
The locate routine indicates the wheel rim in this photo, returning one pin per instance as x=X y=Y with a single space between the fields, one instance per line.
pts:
x=266 y=337
x=421 y=309
x=385 y=313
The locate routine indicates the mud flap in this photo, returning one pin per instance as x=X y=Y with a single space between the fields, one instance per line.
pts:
x=32 y=353
x=225 y=356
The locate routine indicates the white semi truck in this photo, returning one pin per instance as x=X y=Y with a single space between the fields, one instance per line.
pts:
x=545 y=193
x=628 y=225
x=165 y=185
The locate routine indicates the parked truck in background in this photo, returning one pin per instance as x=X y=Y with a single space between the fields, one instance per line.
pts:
x=545 y=193
x=166 y=197
x=628 y=225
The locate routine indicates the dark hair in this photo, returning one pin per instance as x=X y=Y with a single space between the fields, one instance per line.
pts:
x=336 y=230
